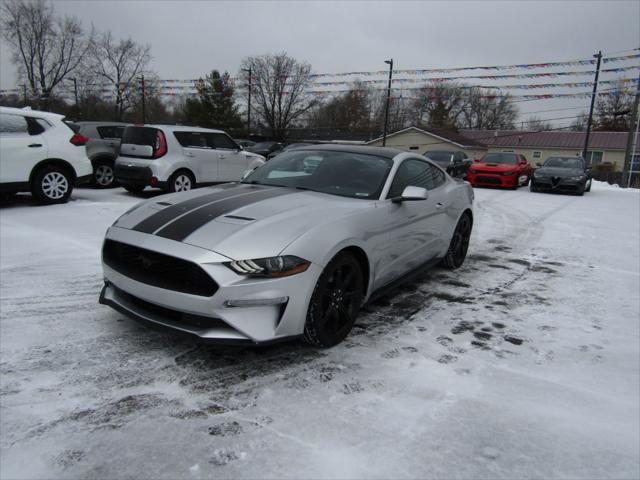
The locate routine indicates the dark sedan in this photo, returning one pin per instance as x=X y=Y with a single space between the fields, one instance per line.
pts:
x=562 y=174
x=266 y=148
x=455 y=163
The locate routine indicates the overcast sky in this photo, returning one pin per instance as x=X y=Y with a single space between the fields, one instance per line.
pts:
x=189 y=38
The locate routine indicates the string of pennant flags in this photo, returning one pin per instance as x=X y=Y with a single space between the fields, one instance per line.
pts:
x=188 y=87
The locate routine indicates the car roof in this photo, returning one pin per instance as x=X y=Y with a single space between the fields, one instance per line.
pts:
x=361 y=149
x=31 y=113
x=99 y=124
x=179 y=128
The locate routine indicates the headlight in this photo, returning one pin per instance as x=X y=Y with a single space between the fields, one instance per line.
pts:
x=579 y=178
x=507 y=173
x=272 y=267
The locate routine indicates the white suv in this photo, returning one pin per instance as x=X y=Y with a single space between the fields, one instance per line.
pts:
x=177 y=158
x=40 y=153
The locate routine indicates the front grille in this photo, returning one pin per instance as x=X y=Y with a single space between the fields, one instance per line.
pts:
x=157 y=269
x=124 y=172
x=154 y=310
x=492 y=180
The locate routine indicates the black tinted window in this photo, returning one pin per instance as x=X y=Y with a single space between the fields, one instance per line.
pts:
x=194 y=139
x=441 y=158
x=140 y=136
x=220 y=140
x=13 y=123
x=415 y=173
x=110 y=131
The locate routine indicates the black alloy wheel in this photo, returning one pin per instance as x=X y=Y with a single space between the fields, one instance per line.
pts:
x=459 y=244
x=335 y=302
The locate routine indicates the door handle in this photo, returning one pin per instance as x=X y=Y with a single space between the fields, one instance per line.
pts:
x=439 y=205
x=223 y=156
x=35 y=145
x=189 y=154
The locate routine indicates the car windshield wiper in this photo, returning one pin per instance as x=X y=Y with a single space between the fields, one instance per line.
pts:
x=256 y=182
x=309 y=189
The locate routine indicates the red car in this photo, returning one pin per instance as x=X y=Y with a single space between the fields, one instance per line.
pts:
x=509 y=170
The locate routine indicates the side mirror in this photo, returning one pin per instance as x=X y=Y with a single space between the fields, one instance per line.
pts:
x=476 y=160
x=523 y=162
x=412 y=194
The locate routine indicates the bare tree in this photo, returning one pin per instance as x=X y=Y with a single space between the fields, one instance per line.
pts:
x=580 y=123
x=538 y=124
x=613 y=111
x=279 y=90
x=45 y=48
x=119 y=63
x=350 y=111
x=438 y=105
x=484 y=111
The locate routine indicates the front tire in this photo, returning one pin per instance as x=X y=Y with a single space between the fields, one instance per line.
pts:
x=335 y=302
x=52 y=184
x=181 y=181
x=533 y=187
x=459 y=243
x=104 y=174
x=588 y=186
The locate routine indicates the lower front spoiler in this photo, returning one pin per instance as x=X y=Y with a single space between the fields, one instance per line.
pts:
x=202 y=329
x=560 y=188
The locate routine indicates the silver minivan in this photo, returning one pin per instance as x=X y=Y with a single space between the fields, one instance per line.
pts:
x=179 y=158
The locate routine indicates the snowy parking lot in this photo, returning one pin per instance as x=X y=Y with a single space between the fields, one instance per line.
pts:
x=525 y=363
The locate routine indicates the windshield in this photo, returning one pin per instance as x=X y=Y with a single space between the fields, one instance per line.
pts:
x=503 y=158
x=565 y=162
x=440 y=157
x=337 y=173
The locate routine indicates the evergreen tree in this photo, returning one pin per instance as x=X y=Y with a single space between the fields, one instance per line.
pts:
x=214 y=105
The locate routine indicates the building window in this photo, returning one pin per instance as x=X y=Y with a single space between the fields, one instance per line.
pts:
x=537 y=155
x=414 y=147
x=635 y=163
x=508 y=151
x=594 y=158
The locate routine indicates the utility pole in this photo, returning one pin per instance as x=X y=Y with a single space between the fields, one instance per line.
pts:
x=386 y=110
x=631 y=139
x=593 y=99
x=75 y=91
x=248 y=70
x=144 y=110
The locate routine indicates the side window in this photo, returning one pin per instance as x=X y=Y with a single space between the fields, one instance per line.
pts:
x=415 y=173
x=110 y=131
x=43 y=123
x=220 y=140
x=13 y=124
x=192 y=139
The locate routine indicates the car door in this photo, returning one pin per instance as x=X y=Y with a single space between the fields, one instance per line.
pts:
x=232 y=162
x=199 y=155
x=22 y=147
x=111 y=136
x=415 y=227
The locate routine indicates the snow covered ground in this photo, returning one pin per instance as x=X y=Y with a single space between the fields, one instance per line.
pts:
x=525 y=363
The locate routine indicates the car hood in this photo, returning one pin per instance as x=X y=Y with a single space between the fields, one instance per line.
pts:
x=559 y=172
x=238 y=221
x=494 y=167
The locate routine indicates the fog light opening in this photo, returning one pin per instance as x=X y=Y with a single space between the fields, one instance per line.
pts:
x=257 y=302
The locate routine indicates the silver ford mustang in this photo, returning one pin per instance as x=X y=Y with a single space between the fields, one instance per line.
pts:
x=294 y=249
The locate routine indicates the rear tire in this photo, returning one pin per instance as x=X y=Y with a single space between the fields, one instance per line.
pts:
x=134 y=188
x=459 y=243
x=181 y=181
x=52 y=184
x=104 y=174
x=335 y=302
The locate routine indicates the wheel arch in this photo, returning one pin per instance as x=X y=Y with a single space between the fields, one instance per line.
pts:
x=182 y=168
x=102 y=157
x=58 y=162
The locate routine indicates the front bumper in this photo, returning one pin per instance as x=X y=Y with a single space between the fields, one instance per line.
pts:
x=482 y=179
x=277 y=309
x=559 y=184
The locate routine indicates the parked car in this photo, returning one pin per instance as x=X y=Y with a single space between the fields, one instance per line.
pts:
x=178 y=158
x=102 y=149
x=266 y=148
x=455 y=163
x=509 y=170
x=562 y=174
x=40 y=153
x=291 y=250
x=244 y=143
x=287 y=148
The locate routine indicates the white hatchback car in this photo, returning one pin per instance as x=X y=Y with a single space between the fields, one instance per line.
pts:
x=177 y=158
x=42 y=154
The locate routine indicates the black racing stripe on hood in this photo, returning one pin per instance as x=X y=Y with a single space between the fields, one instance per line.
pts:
x=189 y=223
x=161 y=218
